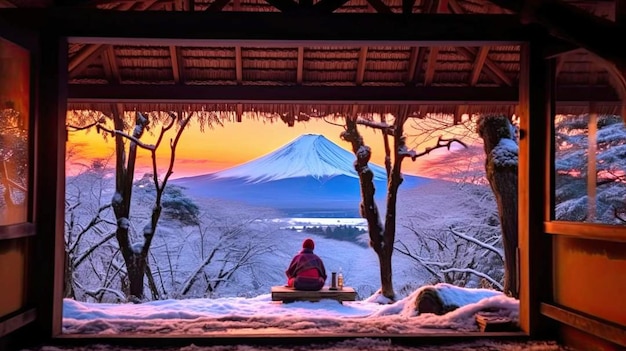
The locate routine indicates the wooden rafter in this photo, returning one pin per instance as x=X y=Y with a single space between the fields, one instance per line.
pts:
x=125 y=6
x=84 y=58
x=429 y=75
x=493 y=70
x=217 y=5
x=300 y=67
x=149 y=5
x=238 y=65
x=328 y=6
x=284 y=5
x=184 y=5
x=418 y=53
x=412 y=65
x=479 y=62
x=573 y=24
x=379 y=6
x=360 y=68
x=432 y=63
x=177 y=64
x=111 y=69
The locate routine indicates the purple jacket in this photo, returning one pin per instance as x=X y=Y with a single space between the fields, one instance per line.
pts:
x=304 y=260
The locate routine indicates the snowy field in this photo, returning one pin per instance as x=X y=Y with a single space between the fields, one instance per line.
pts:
x=261 y=316
x=360 y=344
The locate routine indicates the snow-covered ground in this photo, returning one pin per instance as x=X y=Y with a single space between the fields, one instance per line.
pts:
x=359 y=344
x=260 y=315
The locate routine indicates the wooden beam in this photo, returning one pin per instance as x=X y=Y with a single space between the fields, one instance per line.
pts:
x=111 y=68
x=17 y=321
x=217 y=5
x=379 y=6
x=84 y=58
x=238 y=65
x=148 y=5
x=177 y=64
x=300 y=67
x=49 y=183
x=575 y=25
x=360 y=68
x=332 y=94
x=591 y=231
x=283 y=5
x=479 y=62
x=497 y=72
x=269 y=29
x=432 y=62
x=15 y=231
x=328 y=6
x=410 y=76
x=606 y=330
x=535 y=185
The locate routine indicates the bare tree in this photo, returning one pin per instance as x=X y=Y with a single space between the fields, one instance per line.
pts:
x=135 y=250
x=382 y=235
x=501 y=150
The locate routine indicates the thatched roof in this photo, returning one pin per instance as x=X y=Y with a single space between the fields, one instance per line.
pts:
x=172 y=66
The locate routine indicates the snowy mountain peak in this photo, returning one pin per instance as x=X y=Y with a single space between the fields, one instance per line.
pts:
x=309 y=155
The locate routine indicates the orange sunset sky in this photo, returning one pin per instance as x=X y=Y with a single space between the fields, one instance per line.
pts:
x=226 y=146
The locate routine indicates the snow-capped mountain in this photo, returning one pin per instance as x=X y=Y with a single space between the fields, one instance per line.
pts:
x=310 y=175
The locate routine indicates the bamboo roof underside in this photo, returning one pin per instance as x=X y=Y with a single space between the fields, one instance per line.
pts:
x=168 y=67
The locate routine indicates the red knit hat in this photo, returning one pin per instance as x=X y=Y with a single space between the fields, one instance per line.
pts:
x=308 y=244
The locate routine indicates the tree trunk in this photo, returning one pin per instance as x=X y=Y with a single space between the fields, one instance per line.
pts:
x=502 y=175
x=368 y=208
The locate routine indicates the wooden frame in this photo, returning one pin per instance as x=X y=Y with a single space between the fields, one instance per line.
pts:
x=323 y=94
x=595 y=326
x=270 y=29
x=16 y=321
x=536 y=112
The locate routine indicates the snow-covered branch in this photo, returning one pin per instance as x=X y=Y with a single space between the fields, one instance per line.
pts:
x=115 y=132
x=484 y=245
x=475 y=272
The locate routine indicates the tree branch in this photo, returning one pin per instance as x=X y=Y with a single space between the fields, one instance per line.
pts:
x=484 y=245
x=114 y=132
x=475 y=272
x=441 y=142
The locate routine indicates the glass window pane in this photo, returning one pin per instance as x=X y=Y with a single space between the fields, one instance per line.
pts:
x=14 y=117
x=590 y=179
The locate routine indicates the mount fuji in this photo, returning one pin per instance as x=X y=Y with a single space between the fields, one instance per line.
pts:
x=309 y=177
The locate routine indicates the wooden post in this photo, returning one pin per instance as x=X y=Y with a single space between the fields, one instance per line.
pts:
x=536 y=179
x=591 y=162
x=49 y=174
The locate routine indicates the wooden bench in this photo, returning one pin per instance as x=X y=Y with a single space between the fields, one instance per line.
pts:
x=286 y=294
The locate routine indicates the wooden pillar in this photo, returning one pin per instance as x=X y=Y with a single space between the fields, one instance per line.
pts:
x=592 y=129
x=536 y=179
x=50 y=136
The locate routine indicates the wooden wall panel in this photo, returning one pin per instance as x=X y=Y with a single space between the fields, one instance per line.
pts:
x=13 y=267
x=579 y=340
x=590 y=277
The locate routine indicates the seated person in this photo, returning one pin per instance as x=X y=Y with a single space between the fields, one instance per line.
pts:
x=306 y=270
